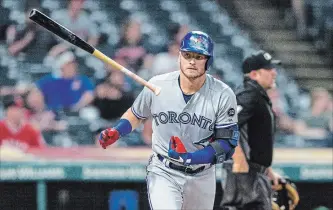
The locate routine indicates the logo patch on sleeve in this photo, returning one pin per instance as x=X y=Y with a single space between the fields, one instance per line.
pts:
x=231 y=112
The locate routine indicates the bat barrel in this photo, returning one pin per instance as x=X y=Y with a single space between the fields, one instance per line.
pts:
x=56 y=28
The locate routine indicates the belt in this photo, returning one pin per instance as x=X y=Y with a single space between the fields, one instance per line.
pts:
x=257 y=168
x=183 y=169
x=254 y=167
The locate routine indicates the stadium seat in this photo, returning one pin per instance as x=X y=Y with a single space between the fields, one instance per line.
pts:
x=123 y=199
x=51 y=5
x=169 y=5
x=14 y=5
x=79 y=129
x=131 y=5
x=99 y=17
x=178 y=17
x=17 y=16
x=91 y=5
x=4 y=17
x=3 y=71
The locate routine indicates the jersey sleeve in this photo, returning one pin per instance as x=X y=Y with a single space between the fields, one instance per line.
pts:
x=141 y=107
x=246 y=102
x=227 y=115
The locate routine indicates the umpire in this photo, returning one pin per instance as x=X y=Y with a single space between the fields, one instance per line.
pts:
x=247 y=179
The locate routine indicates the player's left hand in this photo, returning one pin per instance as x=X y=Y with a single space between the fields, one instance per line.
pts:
x=108 y=137
x=177 y=150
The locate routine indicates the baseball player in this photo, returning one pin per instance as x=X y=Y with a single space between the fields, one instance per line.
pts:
x=194 y=128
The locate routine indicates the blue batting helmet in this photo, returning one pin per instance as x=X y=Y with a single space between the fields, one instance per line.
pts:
x=198 y=42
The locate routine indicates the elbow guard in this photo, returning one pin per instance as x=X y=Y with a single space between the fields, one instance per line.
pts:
x=230 y=134
x=225 y=140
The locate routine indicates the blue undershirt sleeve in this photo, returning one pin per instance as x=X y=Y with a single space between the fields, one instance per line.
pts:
x=207 y=154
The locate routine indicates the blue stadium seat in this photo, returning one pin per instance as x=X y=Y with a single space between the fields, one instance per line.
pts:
x=79 y=129
x=123 y=199
x=4 y=17
x=51 y=5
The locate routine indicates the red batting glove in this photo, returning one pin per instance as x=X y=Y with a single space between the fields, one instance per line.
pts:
x=108 y=137
x=177 y=145
x=177 y=150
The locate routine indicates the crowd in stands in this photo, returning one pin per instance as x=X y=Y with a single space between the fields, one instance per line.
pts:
x=64 y=97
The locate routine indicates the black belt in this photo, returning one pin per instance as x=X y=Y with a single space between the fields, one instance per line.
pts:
x=253 y=167
x=183 y=169
x=257 y=168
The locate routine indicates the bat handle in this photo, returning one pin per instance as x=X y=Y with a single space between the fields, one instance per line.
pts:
x=117 y=66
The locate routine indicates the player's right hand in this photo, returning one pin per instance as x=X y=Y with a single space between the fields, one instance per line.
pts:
x=108 y=137
x=177 y=150
x=177 y=145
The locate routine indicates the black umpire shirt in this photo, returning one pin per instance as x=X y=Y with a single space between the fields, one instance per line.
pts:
x=256 y=121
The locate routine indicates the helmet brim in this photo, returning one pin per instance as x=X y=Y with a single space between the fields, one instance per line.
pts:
x=199 y=51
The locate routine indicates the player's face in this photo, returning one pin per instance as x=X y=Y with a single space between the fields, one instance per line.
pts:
x=266 y=78
x=192 y=64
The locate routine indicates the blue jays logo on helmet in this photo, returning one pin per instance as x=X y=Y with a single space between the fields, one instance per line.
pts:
x=198 y=42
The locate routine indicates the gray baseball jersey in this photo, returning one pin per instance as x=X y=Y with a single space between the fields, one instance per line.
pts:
x=212 y=107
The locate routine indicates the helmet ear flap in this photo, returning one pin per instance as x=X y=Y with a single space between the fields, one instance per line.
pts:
x=209 y=62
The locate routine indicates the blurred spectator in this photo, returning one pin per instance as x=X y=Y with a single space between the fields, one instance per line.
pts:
x=41 y=118
x=166 y=62
x=27 y=38
x=112 y=97
x=296 y=10
x=284 y=122
x=76 y=20
x=316 y=126
x=14 y=130
x=66 y=89
x=177 y=32
x=299 y=11
x=129 y=84
x=131 y=46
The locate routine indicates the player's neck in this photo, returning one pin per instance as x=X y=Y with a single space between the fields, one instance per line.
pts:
x=191 y=86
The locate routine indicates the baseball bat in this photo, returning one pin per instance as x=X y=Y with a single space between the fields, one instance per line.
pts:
x=56 y=28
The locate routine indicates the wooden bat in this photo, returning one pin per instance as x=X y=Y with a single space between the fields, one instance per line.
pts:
x=69 y=36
